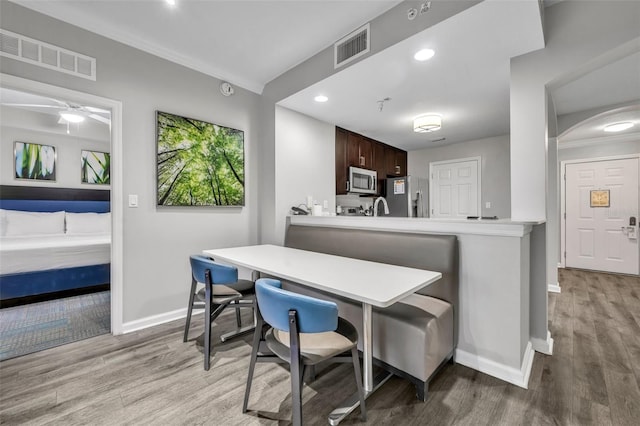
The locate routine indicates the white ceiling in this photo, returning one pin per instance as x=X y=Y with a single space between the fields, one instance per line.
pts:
x=251 y=42
x=467 y=81
x=247 y=43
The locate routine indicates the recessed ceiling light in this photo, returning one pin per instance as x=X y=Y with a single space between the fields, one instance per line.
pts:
x=321 y=98
x=171 y=2
x=618 y=127
x=424 y=54
x=71 y=117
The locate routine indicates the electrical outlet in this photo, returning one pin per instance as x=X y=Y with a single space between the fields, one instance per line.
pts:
x=487 y=205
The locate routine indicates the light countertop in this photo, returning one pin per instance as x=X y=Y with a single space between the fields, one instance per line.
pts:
x=498 y=227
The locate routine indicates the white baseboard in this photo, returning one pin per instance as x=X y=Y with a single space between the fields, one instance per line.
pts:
x=508 y=374
x=543 y=346
x=147 y=322
x=554 y=288
x=560 y=265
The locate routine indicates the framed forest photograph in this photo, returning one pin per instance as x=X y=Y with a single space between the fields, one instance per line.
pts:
x=95 y=167
x=199 y=163
x=34 y=161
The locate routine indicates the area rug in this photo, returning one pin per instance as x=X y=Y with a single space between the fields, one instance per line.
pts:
x=38 y=326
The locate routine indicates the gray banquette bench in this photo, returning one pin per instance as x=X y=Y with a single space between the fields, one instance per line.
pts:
x=416 y=336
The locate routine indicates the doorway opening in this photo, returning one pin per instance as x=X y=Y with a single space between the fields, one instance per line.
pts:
x=116 y=172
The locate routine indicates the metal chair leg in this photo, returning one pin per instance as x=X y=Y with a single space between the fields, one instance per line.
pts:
x=295 y=367
x=356 y=368
x=194 y=283
x=257 y=338
x=238 y=318
x=207 y=325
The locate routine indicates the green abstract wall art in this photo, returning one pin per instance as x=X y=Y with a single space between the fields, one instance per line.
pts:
x=95 y=167
x=34 y=161
x=199 y=163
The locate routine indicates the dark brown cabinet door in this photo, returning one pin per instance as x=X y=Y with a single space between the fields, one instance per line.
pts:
x=353 y=149
x=341 y=161
x=390 y=161
x=379 y=164
x=401 y=163
x=366 y=153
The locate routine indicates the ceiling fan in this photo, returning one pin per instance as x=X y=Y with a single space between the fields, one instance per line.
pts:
x=68 y=112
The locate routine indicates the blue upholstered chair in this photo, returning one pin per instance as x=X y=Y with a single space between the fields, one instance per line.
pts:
x=304 y=332
x=221 y=289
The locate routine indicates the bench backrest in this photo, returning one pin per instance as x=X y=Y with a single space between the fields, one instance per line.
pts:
x=423 y=251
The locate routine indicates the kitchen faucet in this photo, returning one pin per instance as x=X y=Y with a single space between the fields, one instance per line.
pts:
x=375 y=206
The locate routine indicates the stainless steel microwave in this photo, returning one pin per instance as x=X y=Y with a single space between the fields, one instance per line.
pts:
x=362 y=181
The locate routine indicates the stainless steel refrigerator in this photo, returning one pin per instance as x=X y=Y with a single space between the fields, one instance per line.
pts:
x=407 y=196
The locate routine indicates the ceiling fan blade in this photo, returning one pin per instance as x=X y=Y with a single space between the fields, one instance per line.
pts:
x=33 y=105
x=98 y=110
x=100 y=118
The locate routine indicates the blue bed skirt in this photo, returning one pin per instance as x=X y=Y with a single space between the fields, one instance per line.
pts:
x=42 y=282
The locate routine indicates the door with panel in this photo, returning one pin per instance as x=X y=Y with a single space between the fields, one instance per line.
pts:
x=601 y=224
x=454 y=189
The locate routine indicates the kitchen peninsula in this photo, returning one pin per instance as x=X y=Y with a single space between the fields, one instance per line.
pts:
x=501 y=287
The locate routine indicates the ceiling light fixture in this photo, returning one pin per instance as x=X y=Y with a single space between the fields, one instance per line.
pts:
x=424 y=54
x=321 y=98
x=171 y=2
x=618 y=127
x=427 y=123
x=71 y=117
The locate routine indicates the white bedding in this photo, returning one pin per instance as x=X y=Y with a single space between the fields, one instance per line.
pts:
x=43 y=252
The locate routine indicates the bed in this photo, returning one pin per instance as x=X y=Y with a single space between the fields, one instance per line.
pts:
x=53 y=240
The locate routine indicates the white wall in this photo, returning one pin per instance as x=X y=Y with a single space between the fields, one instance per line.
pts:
x=157 y=241
x=581 y=36
x=22 y=126
x=305 y=164
x=604 y=149
x=495 y=168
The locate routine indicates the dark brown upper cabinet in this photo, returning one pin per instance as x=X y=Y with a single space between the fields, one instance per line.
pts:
x=353 y=149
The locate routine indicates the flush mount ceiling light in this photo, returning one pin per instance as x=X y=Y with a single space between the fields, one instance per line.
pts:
x=618 y=127
x=424 y=54
x=71 y=117
x=321 y=98
x=171 y=2
x=427 y=123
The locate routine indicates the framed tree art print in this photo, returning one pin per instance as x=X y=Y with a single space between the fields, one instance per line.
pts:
x=198 y=163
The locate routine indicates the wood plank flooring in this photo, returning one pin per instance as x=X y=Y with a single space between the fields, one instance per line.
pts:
x=152 y=377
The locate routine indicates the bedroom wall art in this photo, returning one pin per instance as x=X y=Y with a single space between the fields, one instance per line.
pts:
x=95 y=167
x=34 y=161
x=199 y=163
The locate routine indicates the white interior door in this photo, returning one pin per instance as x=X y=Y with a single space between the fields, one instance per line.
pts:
x=599 y=237
x=454 y=188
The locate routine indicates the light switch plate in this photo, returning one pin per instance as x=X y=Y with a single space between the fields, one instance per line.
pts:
x=133 y=200
x=487 y=205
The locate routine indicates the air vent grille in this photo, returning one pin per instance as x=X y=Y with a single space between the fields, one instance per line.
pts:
x=352 y=46
x=46 y=55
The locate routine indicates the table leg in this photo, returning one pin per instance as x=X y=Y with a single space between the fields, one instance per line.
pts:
x=370 y=384
x=367 y=348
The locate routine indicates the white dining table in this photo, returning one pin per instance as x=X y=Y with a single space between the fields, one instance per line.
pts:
x=370 y=283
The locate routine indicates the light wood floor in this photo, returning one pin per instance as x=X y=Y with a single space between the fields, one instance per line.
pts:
x=152 y=377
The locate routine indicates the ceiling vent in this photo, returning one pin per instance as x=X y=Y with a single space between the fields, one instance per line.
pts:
x=21 y=48
x=351 y=47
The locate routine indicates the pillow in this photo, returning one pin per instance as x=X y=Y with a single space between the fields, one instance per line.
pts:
x=3 y=223
x=88 y=223
x=33 y=223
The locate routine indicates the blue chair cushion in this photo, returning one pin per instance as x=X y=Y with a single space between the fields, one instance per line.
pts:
x=220 y=274
x=314 y=315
